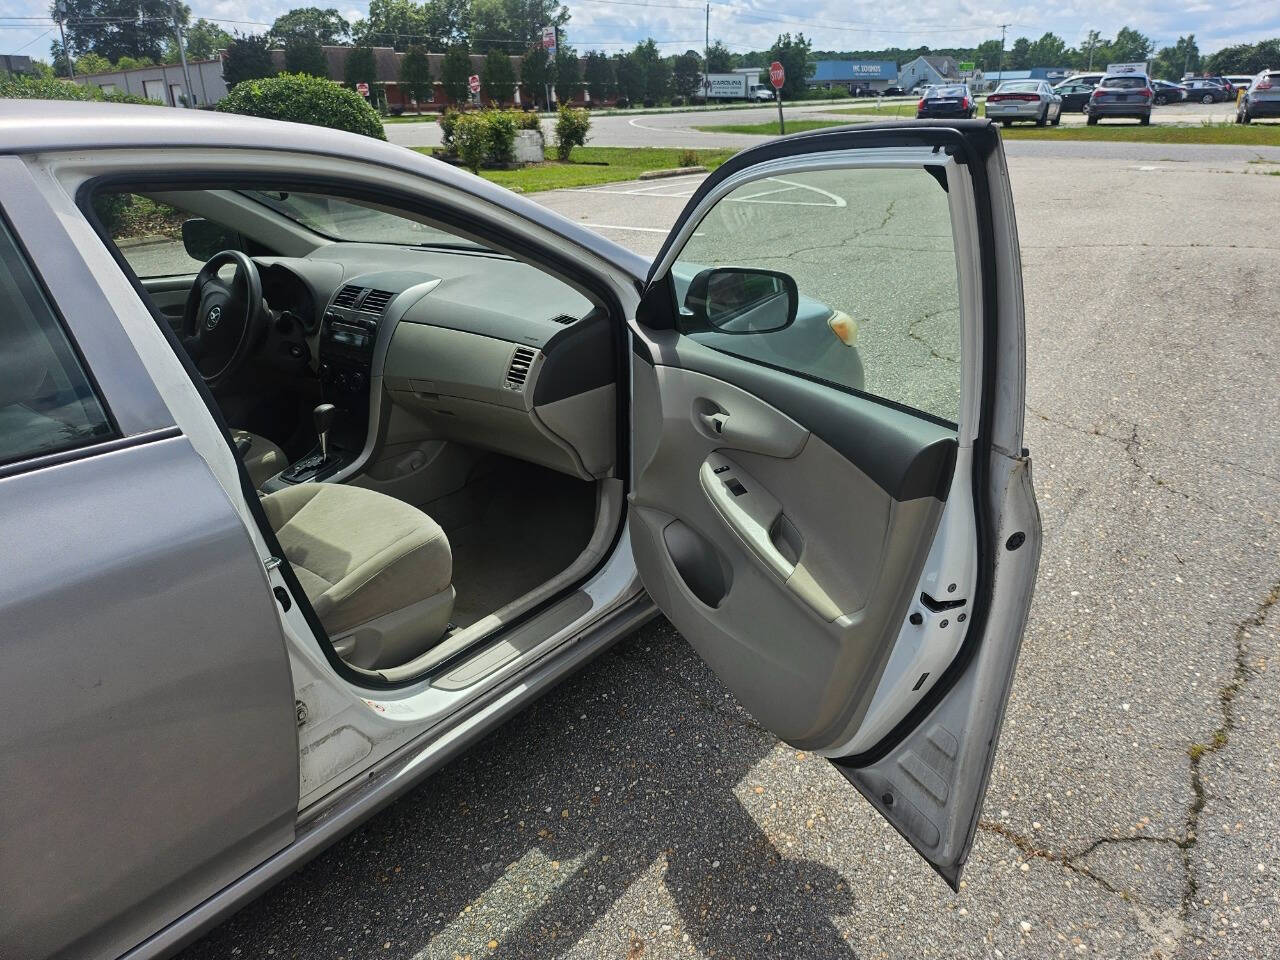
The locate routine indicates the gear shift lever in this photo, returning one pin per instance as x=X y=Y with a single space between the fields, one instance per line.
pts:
x=323 y=415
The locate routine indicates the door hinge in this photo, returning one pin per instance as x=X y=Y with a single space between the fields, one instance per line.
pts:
x=272 y=563
x=300 y=710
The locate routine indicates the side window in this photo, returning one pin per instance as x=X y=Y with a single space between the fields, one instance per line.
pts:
x=872 y=257
x=148 y=234
x=46 y=401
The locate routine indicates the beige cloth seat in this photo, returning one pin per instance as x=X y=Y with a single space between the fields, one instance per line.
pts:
x=377 y=570
x=263 y=459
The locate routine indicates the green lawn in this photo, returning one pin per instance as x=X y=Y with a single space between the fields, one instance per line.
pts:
x=593 y=165
x=1254 y=135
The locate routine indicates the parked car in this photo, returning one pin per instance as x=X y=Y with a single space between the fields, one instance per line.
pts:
x=1206 y=90
x=1075 y=95
x=1089 y=79
x=227 y=647
x=894 y=92
x=951 y=101
x=1122 y=96
x=1031 y=100
x=1226 y=85
x=1261 y=98
x=1166 y=92
x=1238 y=81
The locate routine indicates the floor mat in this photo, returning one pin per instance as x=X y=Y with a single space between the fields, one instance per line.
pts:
x=510 y=531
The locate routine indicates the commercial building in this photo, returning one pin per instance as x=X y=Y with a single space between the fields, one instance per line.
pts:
x=165 y=83
x=856 y=76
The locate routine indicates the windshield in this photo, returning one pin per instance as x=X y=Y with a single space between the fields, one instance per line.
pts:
x=352 y=221
x=1025 y=86
x=1125 y=83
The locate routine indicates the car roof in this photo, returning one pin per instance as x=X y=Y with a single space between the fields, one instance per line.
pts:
x=42 y=126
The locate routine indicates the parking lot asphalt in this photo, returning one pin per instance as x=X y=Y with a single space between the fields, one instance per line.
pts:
x=1134 y=809
x=677 y=129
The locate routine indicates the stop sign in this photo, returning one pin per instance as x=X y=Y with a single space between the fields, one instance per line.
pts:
x=473 y=81
x=777 y=76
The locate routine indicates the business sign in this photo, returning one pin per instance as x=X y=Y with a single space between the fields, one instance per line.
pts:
x=473 y=82
x=777 y=76
x=549 y=41
x=727 y=86
x=362 y=89
x=1114 y=69
x=966 y=66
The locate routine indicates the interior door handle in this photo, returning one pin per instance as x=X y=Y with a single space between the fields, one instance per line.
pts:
x=714 y=421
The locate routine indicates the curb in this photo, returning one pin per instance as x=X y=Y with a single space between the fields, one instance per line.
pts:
x=673 y=172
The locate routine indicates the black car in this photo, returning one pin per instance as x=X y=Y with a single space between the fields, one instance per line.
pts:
x=953 y=101
x=893 y=92
x=1075 y=95
x=1206 y=90
x=1168 y=92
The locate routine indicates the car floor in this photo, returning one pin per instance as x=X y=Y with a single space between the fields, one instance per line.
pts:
x=512 y=528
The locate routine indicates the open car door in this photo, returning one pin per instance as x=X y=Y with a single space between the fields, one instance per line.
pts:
x=830 y=499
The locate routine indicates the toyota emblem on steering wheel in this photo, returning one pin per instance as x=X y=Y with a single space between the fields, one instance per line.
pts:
x=212 y=317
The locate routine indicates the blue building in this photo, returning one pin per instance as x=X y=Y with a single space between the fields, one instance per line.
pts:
x=854 y=75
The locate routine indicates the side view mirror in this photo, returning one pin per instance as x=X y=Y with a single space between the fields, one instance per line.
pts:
x=741 y=300
x=203 y=238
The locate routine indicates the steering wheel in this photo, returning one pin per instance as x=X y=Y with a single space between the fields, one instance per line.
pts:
x=222 y=321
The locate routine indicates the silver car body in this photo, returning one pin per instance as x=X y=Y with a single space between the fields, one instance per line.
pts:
x=1261 y=99
x=174 y=736
x=1024 y=100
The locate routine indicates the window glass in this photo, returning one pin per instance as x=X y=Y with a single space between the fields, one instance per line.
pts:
x=148 y=234
x=872 y=258
x=1124 y=83
x=46 y=402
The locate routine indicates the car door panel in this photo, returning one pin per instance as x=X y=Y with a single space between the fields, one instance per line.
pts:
x=813 y=522
x=834 y=557
x=146 y=699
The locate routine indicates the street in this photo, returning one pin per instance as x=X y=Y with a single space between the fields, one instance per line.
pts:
x=677 y=129
x=1134 y=809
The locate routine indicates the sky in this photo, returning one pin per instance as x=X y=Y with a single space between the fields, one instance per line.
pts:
x=753 y=24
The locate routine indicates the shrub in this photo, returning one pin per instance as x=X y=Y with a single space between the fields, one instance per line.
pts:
x=571 y=130
x=21 y=86
x=304 y=99
x=447 y=121
x=526 y=120
x=689 y=158
x=486 y=137
x=622 y=103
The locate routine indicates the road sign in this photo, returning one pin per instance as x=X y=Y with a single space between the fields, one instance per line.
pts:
x=473 y=82
x=777 y=76
x=549 y=41
x=362 y=89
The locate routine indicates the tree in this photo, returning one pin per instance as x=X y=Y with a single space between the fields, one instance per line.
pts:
x=686 y=74
x=362 y=67
x=793 y=54
x=1130 y=46
x=1250 y=58
x=133 y=63
x=327 y=27
x=513 y=25
x=1183 y=57
x=1019 y=55
x=203 y=40
x=455 y=73
x=719 y=58
x=657 y=75
x=630 y=73
x=304 y=100
x=403 y=23
x=303 y=54
x=119 y=28
x=247 y=58
x=1094 y=47
x=598 y=75
x=498 y=77
x=415 y=75
x=93 y=63
x=987 y=55
x=1049 y=51
x=568 y=81
x=536 y=72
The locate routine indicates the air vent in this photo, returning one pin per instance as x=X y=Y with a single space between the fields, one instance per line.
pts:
x=564 y=319
x=518 y=372
x=347 y=296
x=375 y=301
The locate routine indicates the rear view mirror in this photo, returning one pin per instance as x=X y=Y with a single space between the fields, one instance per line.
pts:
x=741 y=300
x=203 y=238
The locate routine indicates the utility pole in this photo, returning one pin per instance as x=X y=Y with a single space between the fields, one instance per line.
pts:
x=182 y=52
x=60 y=12
x=706 y=63
x=1000 y=69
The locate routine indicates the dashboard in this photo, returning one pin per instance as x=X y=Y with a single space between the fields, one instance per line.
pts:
x=469 y=345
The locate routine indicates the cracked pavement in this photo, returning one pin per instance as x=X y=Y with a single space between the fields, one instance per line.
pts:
x=1134 y=807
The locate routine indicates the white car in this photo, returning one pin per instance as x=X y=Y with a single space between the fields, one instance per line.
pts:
x=233 y=633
